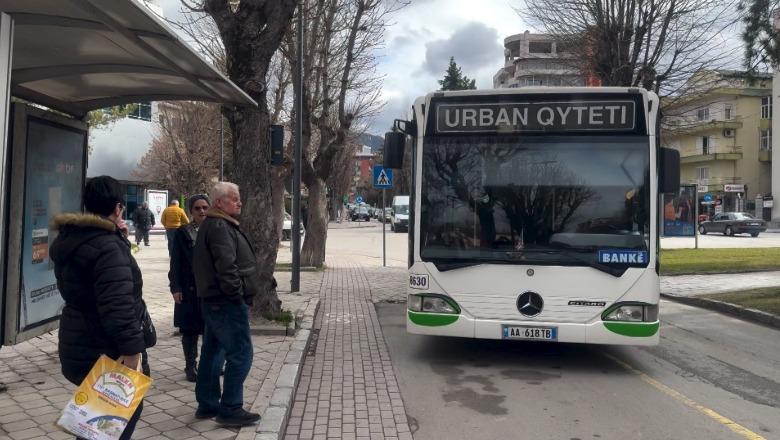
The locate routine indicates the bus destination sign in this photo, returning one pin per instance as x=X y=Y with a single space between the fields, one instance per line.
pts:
x=524 y=117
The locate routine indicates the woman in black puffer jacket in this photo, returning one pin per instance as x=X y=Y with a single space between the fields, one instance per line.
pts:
x=100 y=282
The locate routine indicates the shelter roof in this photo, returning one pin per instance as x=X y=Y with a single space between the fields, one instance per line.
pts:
x=79 y=55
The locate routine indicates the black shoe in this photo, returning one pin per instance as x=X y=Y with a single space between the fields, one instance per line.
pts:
x=240 y=417
x=146 y=244
x=205 y=414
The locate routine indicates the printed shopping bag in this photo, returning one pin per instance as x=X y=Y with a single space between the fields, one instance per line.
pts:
x=105 y=401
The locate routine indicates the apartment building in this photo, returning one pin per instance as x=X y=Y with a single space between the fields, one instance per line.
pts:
x=537 y=60
x=722 y=127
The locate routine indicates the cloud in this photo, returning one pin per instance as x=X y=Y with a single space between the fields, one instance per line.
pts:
x=396 y=107
x=473 y=46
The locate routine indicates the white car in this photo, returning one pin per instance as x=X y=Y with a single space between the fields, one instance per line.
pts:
x=287 y=228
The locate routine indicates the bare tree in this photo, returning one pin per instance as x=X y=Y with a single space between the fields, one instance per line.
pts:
x=184 y=154
x=654 y=44
x=341 y=92
x=250 y=32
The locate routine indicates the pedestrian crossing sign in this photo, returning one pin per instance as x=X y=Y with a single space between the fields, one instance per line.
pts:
x=383 y=177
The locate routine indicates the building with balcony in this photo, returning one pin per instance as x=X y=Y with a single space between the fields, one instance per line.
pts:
x=537 y=60
x=364 y=169
x=722 y=127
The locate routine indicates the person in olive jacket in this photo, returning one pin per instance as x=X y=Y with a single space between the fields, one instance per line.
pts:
x=186 y=313
x=226 y=277
x=101 y=284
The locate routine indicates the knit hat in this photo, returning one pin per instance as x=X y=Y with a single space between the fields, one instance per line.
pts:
x=191 y=201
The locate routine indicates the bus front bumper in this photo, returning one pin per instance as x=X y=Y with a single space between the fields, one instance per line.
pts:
x=597 y=332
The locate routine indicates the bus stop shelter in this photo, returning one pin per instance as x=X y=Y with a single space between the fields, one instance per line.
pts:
x=61 y=59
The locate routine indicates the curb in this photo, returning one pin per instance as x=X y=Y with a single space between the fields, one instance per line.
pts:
x=751 y=315
x=274 y=417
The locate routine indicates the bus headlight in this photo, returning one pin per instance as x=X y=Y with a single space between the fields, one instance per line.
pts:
x=632 y=313
x=432 y=304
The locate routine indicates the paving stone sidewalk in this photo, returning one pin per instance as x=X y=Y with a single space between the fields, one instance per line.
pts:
x=37 y=391
x=348 y=389
x=693 y=285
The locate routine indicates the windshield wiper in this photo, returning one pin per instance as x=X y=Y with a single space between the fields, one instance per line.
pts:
x=445 y=265
x=574 y=253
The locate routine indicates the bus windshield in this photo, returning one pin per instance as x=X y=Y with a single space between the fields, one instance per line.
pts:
x=533 y=199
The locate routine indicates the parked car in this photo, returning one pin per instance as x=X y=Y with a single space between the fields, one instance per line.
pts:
x=361 y=214
x=730 y=223
x=287 y=227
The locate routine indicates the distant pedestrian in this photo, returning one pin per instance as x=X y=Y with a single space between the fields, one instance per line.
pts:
x=101 y=283
x=227 y=280
x=172 y=218
x=186 y=313
x=143 y=219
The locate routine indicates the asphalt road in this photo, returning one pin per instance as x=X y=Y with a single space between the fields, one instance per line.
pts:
x=711 y=377
x=765 y=239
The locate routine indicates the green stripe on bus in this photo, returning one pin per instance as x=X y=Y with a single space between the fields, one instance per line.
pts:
x=432 y=319
x=637 y=330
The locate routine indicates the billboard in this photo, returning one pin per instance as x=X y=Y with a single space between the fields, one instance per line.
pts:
x=679 y=212
x=158 y=201
x=49 y=155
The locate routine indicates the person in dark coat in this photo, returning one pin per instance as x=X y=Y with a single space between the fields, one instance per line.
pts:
x=227 y=280
x=101 y=284
x=186 y=312
x=143 y=219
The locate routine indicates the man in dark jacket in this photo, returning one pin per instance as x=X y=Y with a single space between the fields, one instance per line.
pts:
x=226 y=279
x=101 y=284
x=143 y=219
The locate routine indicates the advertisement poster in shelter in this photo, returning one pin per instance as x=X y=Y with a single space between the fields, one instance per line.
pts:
x=679 y=212
x=53 y=185
x=158 y=201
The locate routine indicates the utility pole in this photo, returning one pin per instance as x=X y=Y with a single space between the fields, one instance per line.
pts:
x=221 y=147
x=295 y=240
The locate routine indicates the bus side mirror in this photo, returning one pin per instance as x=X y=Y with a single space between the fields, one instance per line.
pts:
x=668 y=171
x=394 y=149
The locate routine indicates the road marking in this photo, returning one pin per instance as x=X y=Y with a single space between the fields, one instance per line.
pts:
x=732 y=425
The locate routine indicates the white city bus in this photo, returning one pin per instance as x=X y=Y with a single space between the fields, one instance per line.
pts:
x=534 y=213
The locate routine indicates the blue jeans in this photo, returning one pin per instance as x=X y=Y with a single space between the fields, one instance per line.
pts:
x=226 y=328
x=170 y=234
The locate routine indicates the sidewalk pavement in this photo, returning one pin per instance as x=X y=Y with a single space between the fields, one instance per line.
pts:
x=348 y=388
x=37 y=391
x=693 y=285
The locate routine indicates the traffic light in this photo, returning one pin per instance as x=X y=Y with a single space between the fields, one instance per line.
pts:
x=276 y=142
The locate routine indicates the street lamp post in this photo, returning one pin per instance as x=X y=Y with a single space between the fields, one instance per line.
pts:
x=295 y=239
x=221 y=148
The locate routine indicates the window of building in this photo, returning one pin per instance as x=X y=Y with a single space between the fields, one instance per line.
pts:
x=540 y=46
x=703 y=173
x=142 y=111
x=705 y=144
x=766 y=107
x=765 y=140
x=703 y=114
x=728 y=112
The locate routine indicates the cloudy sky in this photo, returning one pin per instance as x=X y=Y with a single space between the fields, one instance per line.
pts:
x=422 y=38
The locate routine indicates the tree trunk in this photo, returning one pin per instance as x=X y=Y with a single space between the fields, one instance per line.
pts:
x=252 y=174
x=313 y=250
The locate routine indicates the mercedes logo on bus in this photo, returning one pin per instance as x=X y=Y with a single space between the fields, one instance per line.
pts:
x=530 y=303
